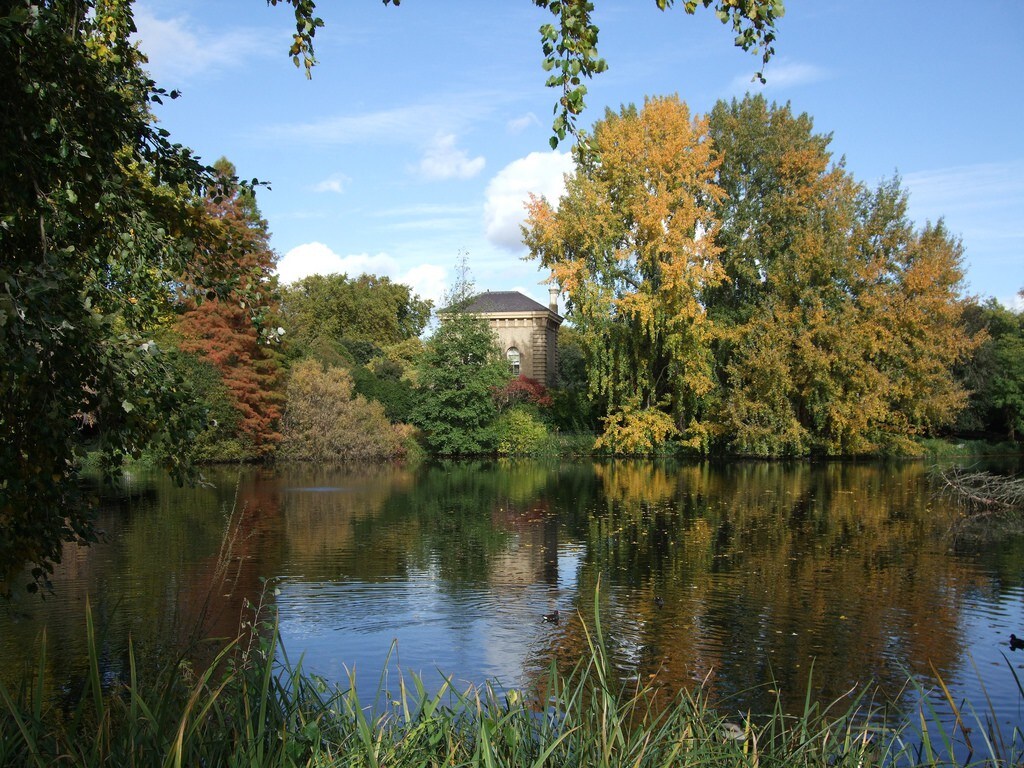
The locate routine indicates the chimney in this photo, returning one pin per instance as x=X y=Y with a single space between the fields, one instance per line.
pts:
x=553 y=299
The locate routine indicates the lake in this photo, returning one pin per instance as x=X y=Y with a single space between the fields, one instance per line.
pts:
x=751 y=578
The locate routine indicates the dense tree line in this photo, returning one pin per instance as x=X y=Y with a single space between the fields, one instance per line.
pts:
x=994 y=376
x=735 y=289
x=774 y=320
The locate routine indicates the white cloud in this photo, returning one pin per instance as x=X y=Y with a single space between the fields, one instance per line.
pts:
x=520 y=124
x=539 y=173
x=317 y=259
x=443 y=160
x=178 y=49
x=426 y=280
x=429 y=281
x=984 y=187
x=779 y=74
x=336 y=183
x=412 y=122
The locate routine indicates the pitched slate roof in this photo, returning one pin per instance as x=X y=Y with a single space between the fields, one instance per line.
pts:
x=504 y=301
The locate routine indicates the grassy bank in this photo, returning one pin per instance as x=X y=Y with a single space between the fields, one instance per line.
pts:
x=250 y=707
x=935 y=448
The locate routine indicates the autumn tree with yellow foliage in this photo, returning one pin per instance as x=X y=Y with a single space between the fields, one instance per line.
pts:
x=840 y=324
x=736 y=290
x=632 y=246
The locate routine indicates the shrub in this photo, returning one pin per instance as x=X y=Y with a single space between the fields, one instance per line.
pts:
x=632 y=431
x=324 y=422
x=522 y=389
x=520 y=431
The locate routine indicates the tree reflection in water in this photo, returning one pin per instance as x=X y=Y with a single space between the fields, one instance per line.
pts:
x=744 y=575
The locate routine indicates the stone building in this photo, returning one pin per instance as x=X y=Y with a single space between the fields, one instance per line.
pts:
x=527 y=331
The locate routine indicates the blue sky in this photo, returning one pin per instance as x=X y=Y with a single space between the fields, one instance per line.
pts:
x=425 y=126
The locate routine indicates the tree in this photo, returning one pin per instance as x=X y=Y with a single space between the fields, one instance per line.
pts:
x=1006 y=391
x=995 y=373
x=324 y=421
x=221 y=330
x=339 y=310
x=98 y=213
x=912 y=303
x=632 y=245
x=456 y=376
x=839 y=324
x=773 y=168
x=572 y=409
x=786 y=368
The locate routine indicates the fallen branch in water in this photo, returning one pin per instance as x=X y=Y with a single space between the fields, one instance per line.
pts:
x=984 y=492
x=990 y=505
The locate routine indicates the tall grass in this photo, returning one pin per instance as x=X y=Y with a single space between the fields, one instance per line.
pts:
x=252 y=707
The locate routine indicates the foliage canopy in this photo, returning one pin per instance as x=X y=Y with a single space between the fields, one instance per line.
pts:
x=99 y=217
x=221 y=330
x=632 y=245
x=457 y=374
x=734 y=289
x=339 y=309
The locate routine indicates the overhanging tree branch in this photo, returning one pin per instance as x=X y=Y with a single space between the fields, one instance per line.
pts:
x=569 y=44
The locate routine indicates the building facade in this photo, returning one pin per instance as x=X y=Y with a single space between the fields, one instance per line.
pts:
x=527 y=331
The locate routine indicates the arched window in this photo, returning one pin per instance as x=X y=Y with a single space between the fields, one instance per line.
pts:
x=513 y=360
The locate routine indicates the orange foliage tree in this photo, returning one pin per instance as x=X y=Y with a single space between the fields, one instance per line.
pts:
x=221 y=330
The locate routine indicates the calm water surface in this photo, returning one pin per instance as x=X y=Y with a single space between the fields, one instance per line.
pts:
x=745 y=576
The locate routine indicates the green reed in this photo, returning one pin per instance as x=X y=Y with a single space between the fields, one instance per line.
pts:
x=250 y=706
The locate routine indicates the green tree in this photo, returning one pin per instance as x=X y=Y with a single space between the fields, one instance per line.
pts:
x=1006 y=390
x=221 y=440
x=364 y=313
x=773 y=170
x=457 y=375
x=572 y=408
x=995 y=373
x=385 y=385
x=98 y=215
x=632 y=245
